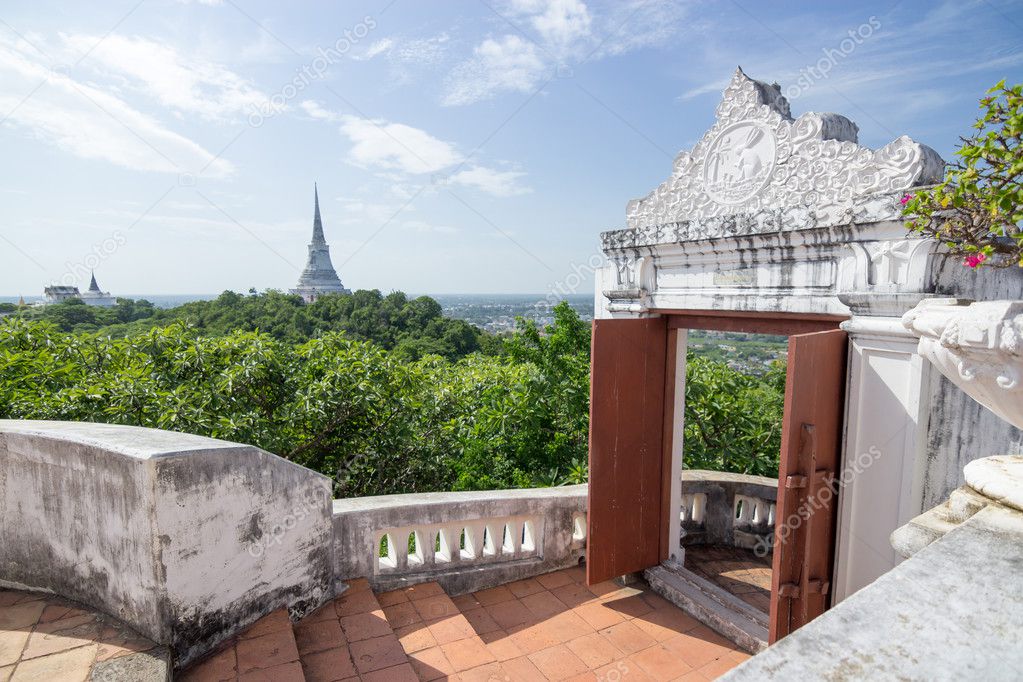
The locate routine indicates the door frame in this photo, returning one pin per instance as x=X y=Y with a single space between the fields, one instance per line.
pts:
x=657 y=547
x=679 y=322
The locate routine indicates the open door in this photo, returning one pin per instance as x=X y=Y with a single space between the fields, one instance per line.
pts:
x=805 y=511
x=626 y=431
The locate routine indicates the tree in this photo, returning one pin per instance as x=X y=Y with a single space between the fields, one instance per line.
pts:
x=732 y=420
x=978 y=210
x=415 y=327
x=373 y=420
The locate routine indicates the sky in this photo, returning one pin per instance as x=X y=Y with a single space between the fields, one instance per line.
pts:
x=471 y=146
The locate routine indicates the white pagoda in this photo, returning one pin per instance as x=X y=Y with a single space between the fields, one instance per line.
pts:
x=319 y=276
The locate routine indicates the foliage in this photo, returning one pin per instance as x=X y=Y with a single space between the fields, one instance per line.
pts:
x=412 y=328
x=732 y=420
x=978 y=210
x=377 y=421
x=374 y=421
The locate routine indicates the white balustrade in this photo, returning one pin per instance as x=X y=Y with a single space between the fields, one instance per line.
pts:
x=752 y=512
x=726 y=508
x=428 y=547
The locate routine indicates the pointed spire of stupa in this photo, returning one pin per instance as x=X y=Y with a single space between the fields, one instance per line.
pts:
x=92 y=285
x=317 y=223
x=319 y=276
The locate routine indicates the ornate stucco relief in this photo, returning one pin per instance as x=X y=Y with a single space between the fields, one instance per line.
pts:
x=756 y=158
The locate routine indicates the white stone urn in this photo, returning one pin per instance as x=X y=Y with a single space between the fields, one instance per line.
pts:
x=978 y=346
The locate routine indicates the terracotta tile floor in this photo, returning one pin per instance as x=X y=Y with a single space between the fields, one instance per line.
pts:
x=740 y=571
x=554 y=627
x=43 y=637
x=348 y=638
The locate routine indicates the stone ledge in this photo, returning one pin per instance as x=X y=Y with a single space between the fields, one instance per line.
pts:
x=949 y=612
x=933 y=524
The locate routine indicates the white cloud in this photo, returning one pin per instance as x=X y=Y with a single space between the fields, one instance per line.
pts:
x=716 y=86
x=423 y=50
x=184 y=83
x=641 y=24
x=498 y=183
x=376 y=48
x=559 y=22
x=564 y=32
x=92 y=123
x=315 y=110
x=397 y=152
x=396 y=146
x=507 y=64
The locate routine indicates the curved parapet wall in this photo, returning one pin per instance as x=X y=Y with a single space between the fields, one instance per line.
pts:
x=185 y=538
x=722 y=508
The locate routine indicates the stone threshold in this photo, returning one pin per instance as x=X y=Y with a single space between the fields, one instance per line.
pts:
x=712 y=605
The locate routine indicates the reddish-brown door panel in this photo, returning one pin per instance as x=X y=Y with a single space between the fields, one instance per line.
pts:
x=626 y=411
x=810 y=449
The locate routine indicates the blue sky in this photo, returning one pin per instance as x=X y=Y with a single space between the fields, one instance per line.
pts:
x=462 y=146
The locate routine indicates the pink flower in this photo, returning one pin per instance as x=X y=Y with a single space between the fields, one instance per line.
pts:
x=905 y=199
x=974 y=259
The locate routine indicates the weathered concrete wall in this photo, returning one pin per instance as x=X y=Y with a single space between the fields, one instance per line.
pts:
x=186 y=538
x=960 y=430
x=74 y=520
x=359 y=523
x=241 y=532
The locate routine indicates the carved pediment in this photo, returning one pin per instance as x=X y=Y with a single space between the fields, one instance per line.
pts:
x=757 y=159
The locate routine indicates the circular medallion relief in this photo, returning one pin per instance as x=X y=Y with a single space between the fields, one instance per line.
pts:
x=739 y=162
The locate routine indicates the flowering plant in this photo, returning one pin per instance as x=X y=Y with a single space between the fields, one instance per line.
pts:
x=977 y=211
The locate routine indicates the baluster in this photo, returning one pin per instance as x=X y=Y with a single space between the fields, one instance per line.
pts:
x=512 y=539
x=699 y=507
x=745 y=510
x=473 y=541
x=455 y=539
x=495 y=539
x=425 y=539
x=400 y=543
x=531 y=536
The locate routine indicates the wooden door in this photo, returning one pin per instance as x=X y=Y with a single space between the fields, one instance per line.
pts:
x=810 y=448
x=627 y=378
